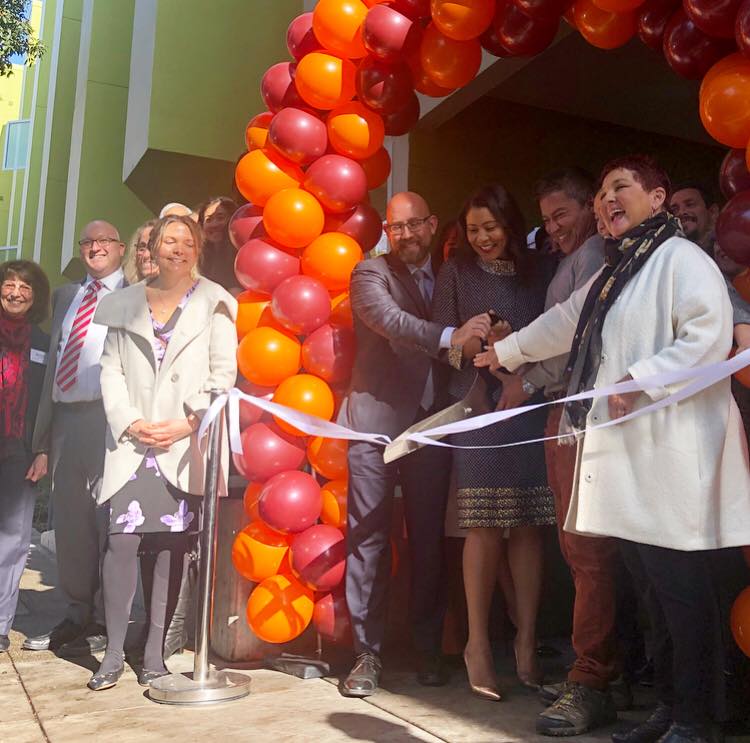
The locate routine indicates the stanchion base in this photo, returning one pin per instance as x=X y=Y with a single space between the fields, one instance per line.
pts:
x=181 y=688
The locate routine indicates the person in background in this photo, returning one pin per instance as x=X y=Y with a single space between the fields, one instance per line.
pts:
x=24 y=303
x=70 y=427
x=139 y=264
x=447 y=241
x=175 y=209
x=217 y=258
x=153 y=467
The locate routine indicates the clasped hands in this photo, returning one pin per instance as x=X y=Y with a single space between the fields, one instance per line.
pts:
x=162 y=434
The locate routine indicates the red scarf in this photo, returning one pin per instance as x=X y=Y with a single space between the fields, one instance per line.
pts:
x=15 y=344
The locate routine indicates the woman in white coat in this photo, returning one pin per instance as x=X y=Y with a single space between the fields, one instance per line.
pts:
x=171 y=340
x=674 y=482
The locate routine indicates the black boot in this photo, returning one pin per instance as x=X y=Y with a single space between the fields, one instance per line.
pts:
x=650 y=730
x=176 y=636
x=678 y=733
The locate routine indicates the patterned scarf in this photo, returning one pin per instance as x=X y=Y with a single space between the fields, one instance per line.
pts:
x=15 y=342
x=623 y=259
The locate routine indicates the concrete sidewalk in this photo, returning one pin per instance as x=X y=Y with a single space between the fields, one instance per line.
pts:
x=44 y=698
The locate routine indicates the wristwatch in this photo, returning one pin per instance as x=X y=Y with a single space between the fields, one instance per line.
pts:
x=528 y=388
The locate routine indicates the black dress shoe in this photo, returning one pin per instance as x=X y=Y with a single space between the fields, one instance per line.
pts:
x=650 y=730
x=363 y=679
x=431 y=670
x=92 y=640
x=64 y=632
x=684 y=734
x=100 y=681
x=145 y=677
x=4 y=643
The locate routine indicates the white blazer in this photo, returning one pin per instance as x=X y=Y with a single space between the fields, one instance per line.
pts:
x=201 y=356
x=677 y=477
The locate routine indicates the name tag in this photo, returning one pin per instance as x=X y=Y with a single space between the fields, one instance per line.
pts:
x=38 y=357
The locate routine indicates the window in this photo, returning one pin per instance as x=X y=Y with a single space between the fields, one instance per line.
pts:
x=17 y=143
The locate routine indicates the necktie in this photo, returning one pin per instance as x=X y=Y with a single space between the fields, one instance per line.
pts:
x=428 y=395
x=422 y=280
x=66 y=370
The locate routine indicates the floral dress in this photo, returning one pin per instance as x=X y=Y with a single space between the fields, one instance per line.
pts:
x=147 y=503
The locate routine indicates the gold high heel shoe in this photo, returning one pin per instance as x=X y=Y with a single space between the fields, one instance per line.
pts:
x=530 y=679
x=489 y=692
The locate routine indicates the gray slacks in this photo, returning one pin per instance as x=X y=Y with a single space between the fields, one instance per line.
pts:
x=17 y=498
x=76 y=467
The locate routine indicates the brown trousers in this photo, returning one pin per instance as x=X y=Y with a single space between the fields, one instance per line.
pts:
x=593 y=565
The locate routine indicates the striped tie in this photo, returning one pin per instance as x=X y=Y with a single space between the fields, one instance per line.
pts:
x=66 y=371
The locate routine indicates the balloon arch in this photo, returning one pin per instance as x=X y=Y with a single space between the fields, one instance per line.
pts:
x=311 y=159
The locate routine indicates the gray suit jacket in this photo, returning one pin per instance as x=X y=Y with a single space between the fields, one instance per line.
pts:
x=396 y=347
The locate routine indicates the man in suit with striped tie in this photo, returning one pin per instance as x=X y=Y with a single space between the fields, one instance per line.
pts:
x=70 y=427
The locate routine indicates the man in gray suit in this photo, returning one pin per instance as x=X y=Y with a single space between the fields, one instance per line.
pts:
x=394 y=384
x=71 y=426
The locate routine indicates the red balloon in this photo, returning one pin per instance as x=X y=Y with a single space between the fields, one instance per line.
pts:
x=653 y=17
x=261 y=266
x=389 y=34
x=491 y=41
x=290 y=502
x=277 y=87
x=300 y=37
x=742 y=28
x=689 y=51
x=301 y=304
x=544 y=10
x=733 y=174
x=318 y=557
x=713 y=17
x=384 y=88
x=414 y=9
x=250 y=414
x=733 y=228
x=363 y=224
x=331 y=617
x=244 y=224
x=268 y=451
x=298 y=135
x=338 y=182
x=521 y=34
x=401 y=121
x=329 y=353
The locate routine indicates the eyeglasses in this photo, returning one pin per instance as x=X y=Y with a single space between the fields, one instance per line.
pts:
x=105 y=242
x=397 y=228
x=23 y=289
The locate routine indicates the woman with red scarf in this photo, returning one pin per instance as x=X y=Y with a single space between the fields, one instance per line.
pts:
x=24 y=301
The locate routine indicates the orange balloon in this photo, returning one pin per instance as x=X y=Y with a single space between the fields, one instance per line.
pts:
x=618 y=6
x=341 y=311
x=261 y=173
x=306 y=393
x=337 y=25
x=334 y=503
x=267 y=356
x=377 y=168
x=602 y=28
x=423 y=83
x=740 y=620
x=258 y=551
x=743 y=375
x=250 y=500
x=293 y=217
x=331 y=259
x=449 y=63
x=328 y=457
x=742 y=284
x=256 y=132
x=725 y=64
x=250 y=306
x=324 y=80
x=355 y=130
x=280 y=608
x=462 y=19
x=725 y=106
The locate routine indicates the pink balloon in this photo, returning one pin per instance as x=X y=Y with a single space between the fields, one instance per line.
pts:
x=363 y=224
x=278 y=89
x=329 y=353
x=319 y=556
x=298 y=135
x=338 y=182
x=290 y=502
x=301 y=304
x=388 y=34
x=261 y=266
x=331 y=616
x=300 y=37
x=401 y=121
x=268 y=451
x=250 y=414
x=245 y=223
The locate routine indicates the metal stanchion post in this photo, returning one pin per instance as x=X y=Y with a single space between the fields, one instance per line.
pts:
x=204 y=685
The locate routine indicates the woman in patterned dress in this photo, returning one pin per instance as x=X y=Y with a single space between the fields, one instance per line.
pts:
x=500 y=492
x=170 y=340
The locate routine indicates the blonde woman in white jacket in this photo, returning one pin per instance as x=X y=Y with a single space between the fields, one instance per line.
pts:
x=671 y=484
x=170 y=340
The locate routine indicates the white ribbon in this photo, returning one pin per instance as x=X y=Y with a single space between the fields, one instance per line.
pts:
x=698 y=379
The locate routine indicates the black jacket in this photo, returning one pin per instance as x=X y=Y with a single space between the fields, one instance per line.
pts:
x=37 y=368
